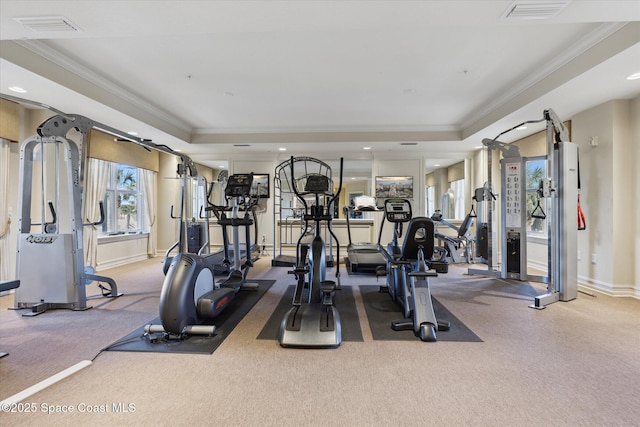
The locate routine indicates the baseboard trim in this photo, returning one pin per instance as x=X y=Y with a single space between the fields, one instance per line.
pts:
x=120 y=262
x=591 y=285
x=586 y=284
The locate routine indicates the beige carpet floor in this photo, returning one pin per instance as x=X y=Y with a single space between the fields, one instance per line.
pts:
x=575 y=363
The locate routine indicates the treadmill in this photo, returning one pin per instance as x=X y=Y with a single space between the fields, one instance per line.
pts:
x=363 y=256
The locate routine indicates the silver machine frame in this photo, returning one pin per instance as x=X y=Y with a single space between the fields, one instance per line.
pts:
x=560 y=189
x=50 y=263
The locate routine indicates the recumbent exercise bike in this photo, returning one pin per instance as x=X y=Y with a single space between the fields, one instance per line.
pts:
x=408 y=271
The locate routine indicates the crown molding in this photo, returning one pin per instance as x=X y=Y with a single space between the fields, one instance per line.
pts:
x=596 y=36
x=91 y=76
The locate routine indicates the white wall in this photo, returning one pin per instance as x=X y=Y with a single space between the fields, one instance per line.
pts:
x=116 y=251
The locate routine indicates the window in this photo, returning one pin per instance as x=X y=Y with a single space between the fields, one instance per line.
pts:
x=429 y=204
x=458 y=191
x=124 y=201
x=536 y=171
x=197 y=193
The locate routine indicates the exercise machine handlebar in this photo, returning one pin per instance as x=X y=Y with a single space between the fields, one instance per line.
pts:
x=101 y=220
x=50 y=227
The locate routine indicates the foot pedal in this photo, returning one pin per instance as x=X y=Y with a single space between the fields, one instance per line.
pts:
x=402 y=325
x=294 y=318
x=327 y=320
x=443 y=325
x=328 y=286
x=37 y=309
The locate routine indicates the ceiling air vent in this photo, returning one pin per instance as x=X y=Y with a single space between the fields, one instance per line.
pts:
x=408 y=143
x=241 y=145
x=47 y=24
x=532 y=9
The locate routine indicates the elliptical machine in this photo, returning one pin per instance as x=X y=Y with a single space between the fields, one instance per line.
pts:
x=190 y=297
x=409 y=270
x=313 y=321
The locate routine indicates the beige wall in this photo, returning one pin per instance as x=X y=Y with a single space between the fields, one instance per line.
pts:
x=609 y=195
x=28 y=121
x=408 y=167
x=168 y=195
x=9 y=120
x=610 y=191
x=635 y=154
x=103 y=146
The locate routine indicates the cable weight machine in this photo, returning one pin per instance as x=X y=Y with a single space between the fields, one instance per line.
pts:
x=50 y=253
x=559 y=187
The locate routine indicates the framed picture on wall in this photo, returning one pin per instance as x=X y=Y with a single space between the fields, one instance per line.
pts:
x=260 y=185
x=394 y=186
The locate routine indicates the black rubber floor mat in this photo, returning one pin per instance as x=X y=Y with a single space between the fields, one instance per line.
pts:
x=344 y=302
x=382 y=310
x=225 y=323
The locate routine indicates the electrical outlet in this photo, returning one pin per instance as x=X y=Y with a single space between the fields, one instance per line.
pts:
x=594 y=258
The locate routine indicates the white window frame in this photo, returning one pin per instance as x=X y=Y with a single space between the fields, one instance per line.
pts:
x=111 y=226
x=531 y=188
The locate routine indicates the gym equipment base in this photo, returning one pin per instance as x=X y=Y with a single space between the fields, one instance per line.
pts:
x=138 y=341
x=382 y=310
x=309 y=333
x=344 y=302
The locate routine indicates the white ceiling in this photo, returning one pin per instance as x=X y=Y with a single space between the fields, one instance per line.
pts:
x=322 y=78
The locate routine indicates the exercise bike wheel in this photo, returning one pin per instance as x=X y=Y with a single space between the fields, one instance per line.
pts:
x=428 y=332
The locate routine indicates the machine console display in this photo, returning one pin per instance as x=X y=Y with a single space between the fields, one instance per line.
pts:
x=239 y=185
x=317 y=184
x=397 y=210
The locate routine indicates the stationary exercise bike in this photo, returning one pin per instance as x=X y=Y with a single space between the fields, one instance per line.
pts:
x=409 y=270
x=313 y=321
x=190 y=297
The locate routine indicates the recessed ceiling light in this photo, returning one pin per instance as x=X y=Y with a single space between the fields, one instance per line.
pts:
x=132 y=133
x=221 y=166
x=521 y=127
x=177 y=150
x=366 y=148
x=634 y=76
x=478 y=146
x=437 y=164
x=282 y=149
x=17 y=89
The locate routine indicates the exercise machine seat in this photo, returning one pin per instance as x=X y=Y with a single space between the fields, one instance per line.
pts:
x=464 y=227
x=415 y=239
